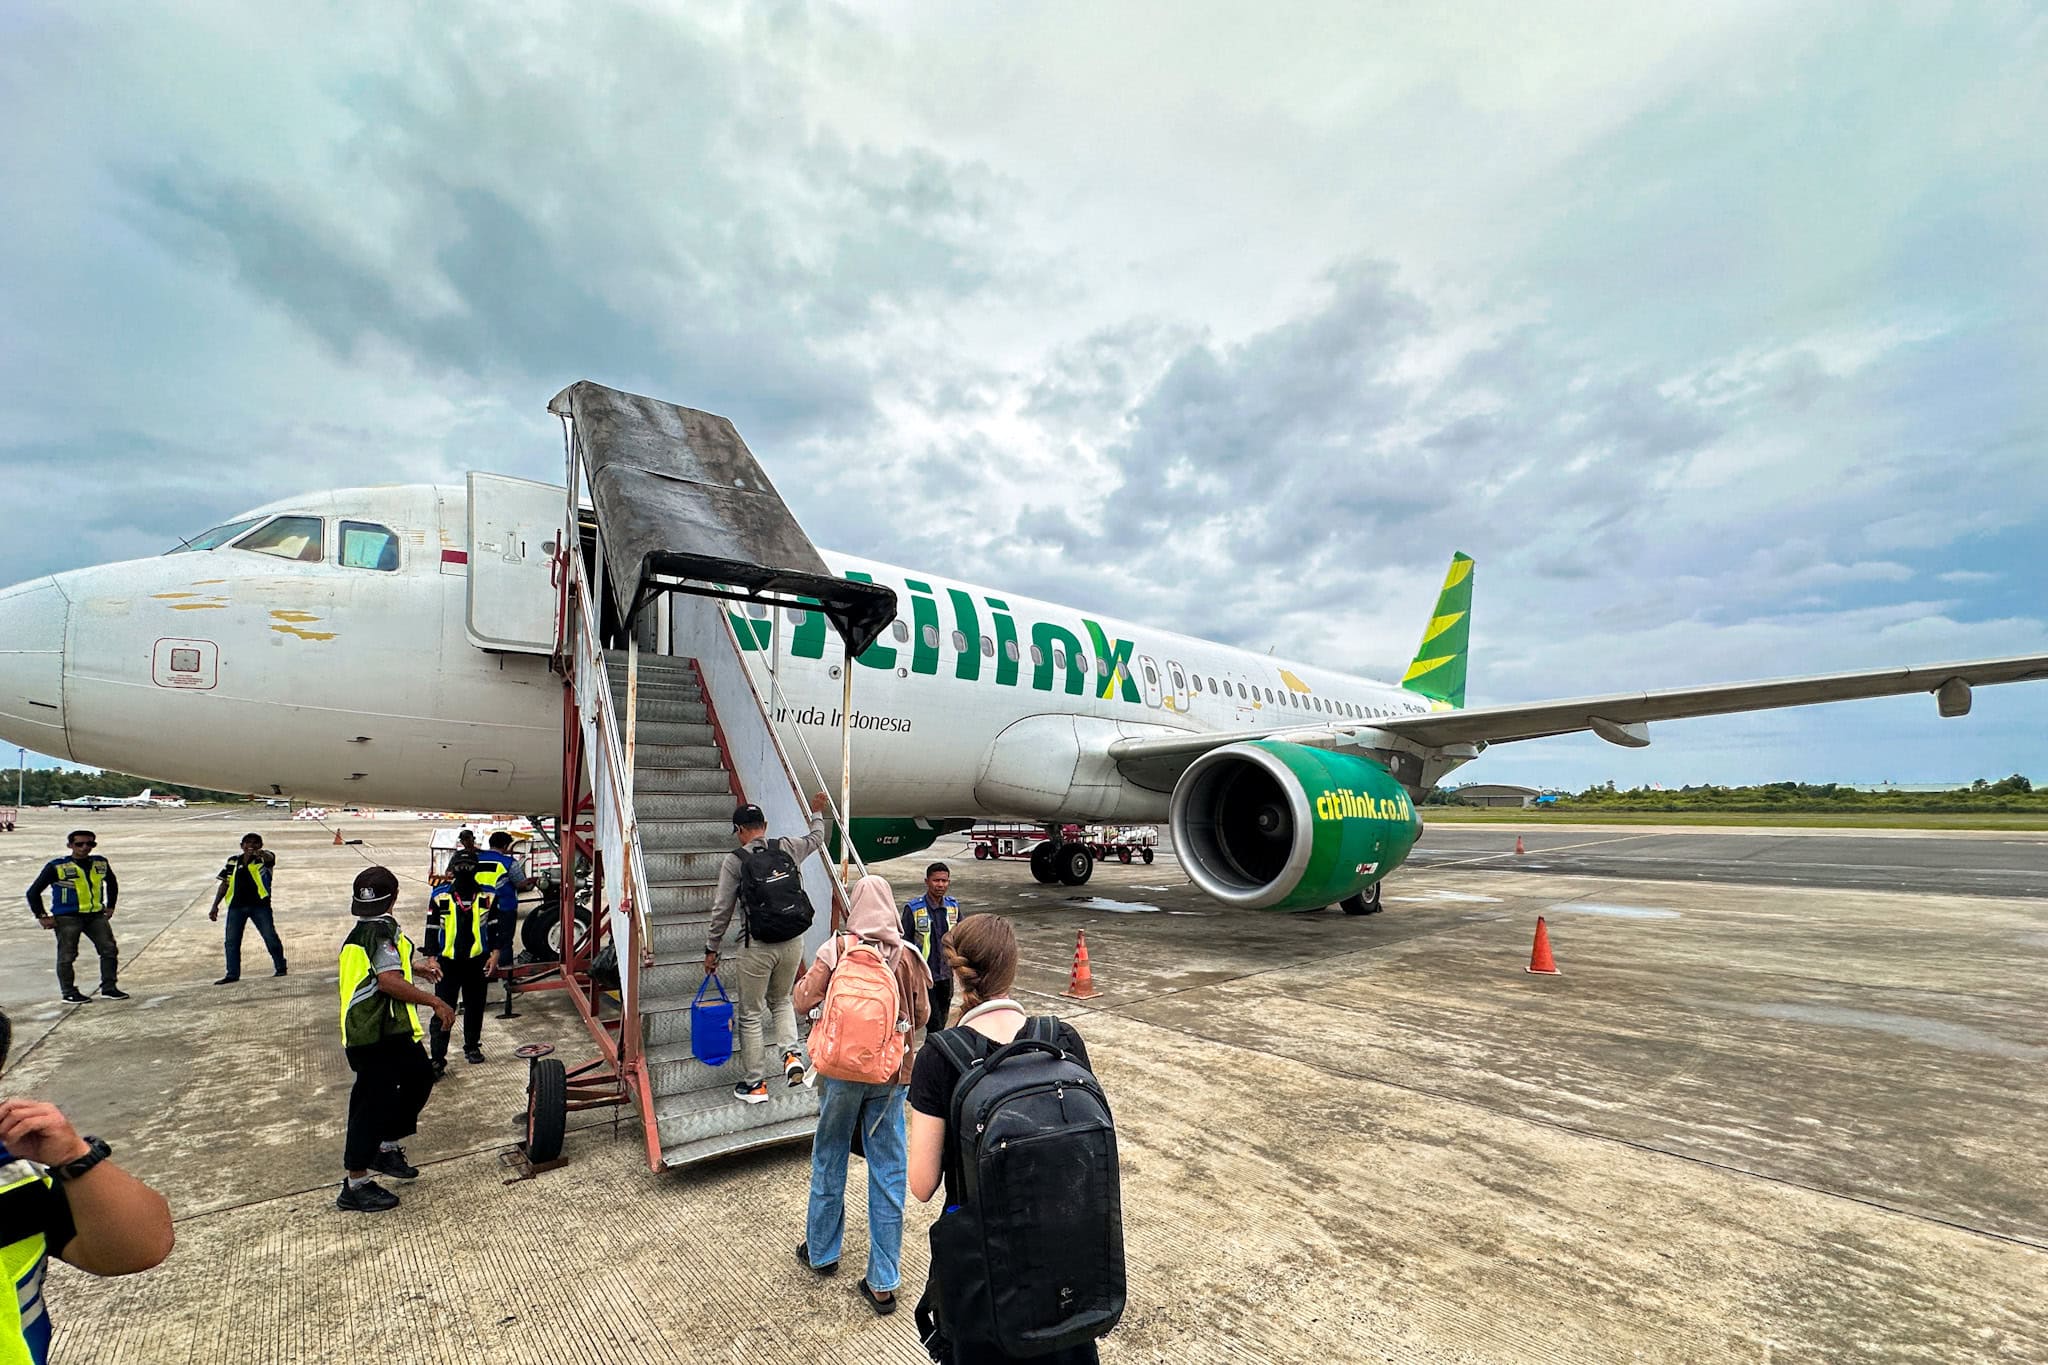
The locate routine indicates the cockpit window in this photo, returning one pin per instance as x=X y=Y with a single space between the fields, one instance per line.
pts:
x=287 y=538
x=217 y=537
x=366 y=545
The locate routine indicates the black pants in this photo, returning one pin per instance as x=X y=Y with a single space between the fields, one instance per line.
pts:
x=461 y=978
x=97 y=928
x=942 y=1003
x=393 y=1081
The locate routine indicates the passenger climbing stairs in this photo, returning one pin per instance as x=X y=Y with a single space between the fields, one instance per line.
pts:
x=683 y=798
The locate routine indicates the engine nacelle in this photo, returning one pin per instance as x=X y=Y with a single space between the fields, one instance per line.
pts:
x=1268 y=825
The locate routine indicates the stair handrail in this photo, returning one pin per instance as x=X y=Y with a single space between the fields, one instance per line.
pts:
x=775 y=737
x=777 y=697
x=605 y=758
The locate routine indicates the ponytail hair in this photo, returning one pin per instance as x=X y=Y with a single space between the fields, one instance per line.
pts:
x=982 y=951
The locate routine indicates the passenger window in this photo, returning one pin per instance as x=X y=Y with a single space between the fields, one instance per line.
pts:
x=365 y=545
x=931 y=637
x=1037 y=657
x=901 y=631
x=959 y=642
x=988 y=647
x=1269 y=694
x=1242 y=695
x=796 y=615
x=287 y=538
x=758 y=610
x=1212 y=687
x=1059 y=657
x=1102 y=667
x=1010 y=651
x=214 y=539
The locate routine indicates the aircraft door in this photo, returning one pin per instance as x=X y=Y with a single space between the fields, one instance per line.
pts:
x=1148 y=675
x=514 y=525
x=1179 y=677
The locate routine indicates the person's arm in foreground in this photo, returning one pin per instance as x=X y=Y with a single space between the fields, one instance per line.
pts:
x=123 y=1225
x=927 y=1153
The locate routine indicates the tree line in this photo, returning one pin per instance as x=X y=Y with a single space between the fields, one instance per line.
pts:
x=2014 y=793
x=42 y=786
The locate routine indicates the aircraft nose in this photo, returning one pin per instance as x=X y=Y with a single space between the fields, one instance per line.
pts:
x=32 y=619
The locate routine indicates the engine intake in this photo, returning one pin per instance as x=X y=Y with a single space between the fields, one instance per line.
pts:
x=1268 y=825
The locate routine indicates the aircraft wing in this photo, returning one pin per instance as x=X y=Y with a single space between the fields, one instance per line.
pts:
x=1621 y=718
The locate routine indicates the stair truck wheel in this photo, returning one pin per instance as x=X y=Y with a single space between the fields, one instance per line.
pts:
x=1074 y=864
x=547 y=1109
x=1041 y=864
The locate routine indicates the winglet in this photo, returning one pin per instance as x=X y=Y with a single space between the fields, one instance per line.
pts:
x=1439 y=668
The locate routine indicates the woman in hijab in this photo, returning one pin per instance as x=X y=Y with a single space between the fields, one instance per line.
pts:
x=873 y=1110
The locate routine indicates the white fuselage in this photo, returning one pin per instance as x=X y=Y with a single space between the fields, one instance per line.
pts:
x=323 y=681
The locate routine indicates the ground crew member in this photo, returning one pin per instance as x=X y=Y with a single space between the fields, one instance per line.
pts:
x=59 y=1194
x=245 y=885
x=82 y=896
x=466 y=939
x=380 y=1035
x=512 y=879
x=925 y=922
x=767 y=971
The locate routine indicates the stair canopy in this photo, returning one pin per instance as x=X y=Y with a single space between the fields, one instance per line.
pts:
x=685 y=505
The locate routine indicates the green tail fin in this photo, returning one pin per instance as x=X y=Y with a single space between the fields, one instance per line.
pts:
x=1439 y=668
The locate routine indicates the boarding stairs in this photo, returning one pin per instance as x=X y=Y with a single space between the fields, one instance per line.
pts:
x=665 y=729
x=683 y=798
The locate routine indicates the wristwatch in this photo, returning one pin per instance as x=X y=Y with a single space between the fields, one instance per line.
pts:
x=96 y=1151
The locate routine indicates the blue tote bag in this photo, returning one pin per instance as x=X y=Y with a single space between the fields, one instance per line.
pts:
x=711 y=1024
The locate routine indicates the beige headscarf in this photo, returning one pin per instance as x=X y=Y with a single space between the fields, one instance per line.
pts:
x=871 y=915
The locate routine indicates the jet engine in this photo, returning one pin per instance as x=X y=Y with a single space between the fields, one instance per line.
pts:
x=1268 y=825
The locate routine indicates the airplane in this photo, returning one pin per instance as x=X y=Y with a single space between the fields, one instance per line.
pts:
x=370 y=646
x=144 y=801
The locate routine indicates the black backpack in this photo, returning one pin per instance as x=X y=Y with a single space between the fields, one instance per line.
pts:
x=1031 y=1260
x=772 y=893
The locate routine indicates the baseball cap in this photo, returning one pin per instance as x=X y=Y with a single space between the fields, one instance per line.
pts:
x=376 y=888
x=746 y=817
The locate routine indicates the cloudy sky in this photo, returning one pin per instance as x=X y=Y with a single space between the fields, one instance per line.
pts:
x=1715 y=333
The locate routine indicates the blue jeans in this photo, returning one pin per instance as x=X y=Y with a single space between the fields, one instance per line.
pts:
x=878 y=1109
x=260 y=917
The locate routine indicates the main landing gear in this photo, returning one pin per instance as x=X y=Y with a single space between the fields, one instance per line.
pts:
x=1068 y=862
x=1366 y=902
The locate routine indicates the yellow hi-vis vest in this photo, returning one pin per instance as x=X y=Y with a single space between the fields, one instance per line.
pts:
x=359 y=984
x=449 y=907
x=255 y=872
x=80 y=889
x=23 y=1263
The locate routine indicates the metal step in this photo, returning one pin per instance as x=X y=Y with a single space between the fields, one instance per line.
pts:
x=651 y=779
x=648 y=733
x=686 y=836
x=676 y=756
x=679 y=937
x=671 y=900
x=711 y=1116
x=683 y=686
x=771 y=1135
x=682 y=867
x=668 y=710
x=715 y=805
x=615 y=662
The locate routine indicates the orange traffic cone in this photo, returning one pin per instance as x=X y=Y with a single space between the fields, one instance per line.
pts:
x=1518 y=846
x=1083 y=985
x=1540 y=961
x=337 y=838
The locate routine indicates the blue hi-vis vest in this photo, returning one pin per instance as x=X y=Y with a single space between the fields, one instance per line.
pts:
x=78 y=890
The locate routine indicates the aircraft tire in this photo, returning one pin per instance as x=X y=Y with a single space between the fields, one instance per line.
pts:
x=1074 y=865
x=1366 y=902
x=1041 y=865
x=547 y=1109
x=540 y=930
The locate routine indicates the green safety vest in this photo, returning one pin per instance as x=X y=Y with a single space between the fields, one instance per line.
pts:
x=23 y=1263
x=359 y=984
x=256 y=879
x=450 y=907
x=82 y=889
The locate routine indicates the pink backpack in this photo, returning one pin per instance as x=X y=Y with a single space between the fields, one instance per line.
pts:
x=856 y=1037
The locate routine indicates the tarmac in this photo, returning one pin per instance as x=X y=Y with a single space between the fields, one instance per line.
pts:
x=1754 y=1120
